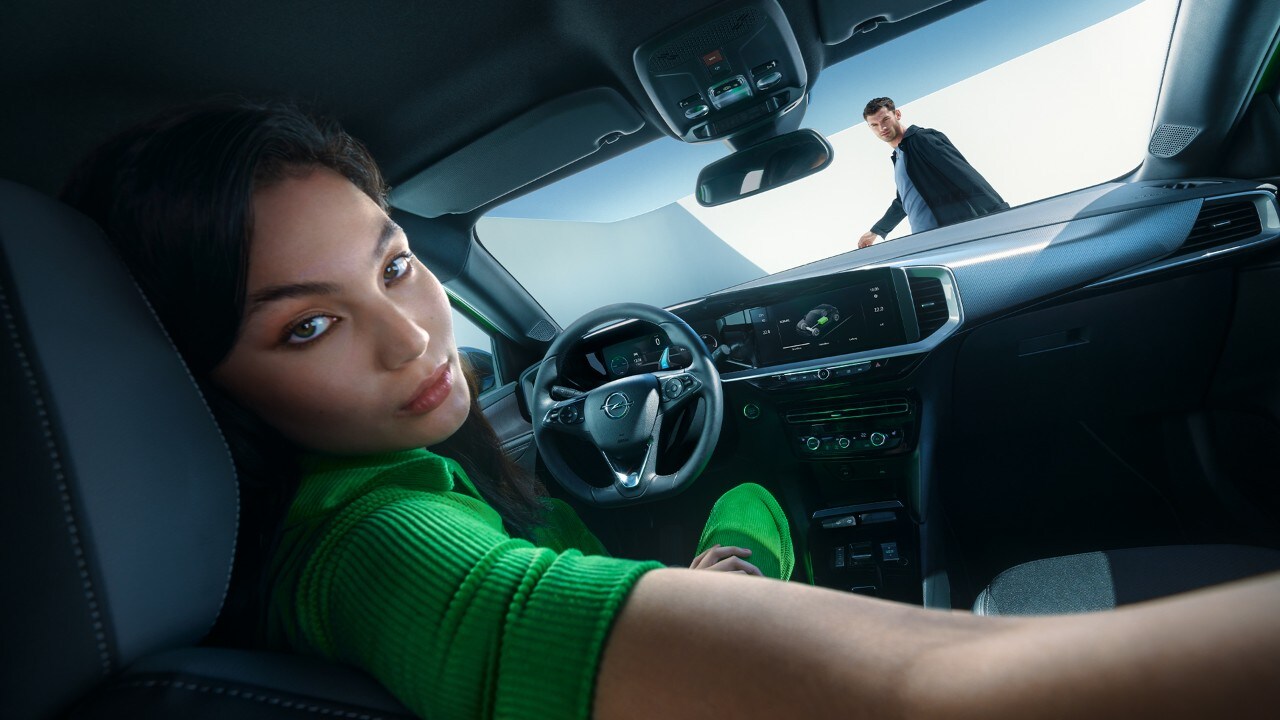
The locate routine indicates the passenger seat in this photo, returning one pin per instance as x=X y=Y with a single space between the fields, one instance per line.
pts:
x=1104 y=580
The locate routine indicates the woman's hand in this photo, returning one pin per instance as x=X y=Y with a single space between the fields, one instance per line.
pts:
x=726 y=558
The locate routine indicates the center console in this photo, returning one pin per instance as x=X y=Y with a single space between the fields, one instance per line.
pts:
x=830 y=366
x=850 y=428
x=870 y=549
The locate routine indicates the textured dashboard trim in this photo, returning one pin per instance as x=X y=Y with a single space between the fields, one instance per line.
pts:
x=1268 y=214
x=1006 y=272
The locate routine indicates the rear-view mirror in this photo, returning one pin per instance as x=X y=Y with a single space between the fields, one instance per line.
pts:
x=764 y=166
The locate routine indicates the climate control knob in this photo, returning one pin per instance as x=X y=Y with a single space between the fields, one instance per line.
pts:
x=842 y=442
x=812 y=443
x=877 y=439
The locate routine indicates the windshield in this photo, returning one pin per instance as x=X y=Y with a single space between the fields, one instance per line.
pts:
x=1040 y=98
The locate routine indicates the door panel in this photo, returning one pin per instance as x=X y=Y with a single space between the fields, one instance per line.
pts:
x=514 y=432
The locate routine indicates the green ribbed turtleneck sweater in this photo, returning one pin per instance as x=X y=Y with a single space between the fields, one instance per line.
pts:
x=394 y=564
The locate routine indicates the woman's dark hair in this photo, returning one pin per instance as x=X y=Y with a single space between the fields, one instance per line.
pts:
x=175 y=196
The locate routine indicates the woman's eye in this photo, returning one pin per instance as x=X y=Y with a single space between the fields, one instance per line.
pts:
x=309 y=329
x=397 y=268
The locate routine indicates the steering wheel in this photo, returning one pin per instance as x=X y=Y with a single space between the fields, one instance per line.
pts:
x=623 y=418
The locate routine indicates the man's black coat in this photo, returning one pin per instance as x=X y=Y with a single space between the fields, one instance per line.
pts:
x=952 y=189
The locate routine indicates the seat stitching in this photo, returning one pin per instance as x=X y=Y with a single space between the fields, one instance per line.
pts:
x=64 y=489
x=235 y=536
x=258 y=697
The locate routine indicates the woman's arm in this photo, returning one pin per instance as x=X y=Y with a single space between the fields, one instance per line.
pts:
x=713 y=645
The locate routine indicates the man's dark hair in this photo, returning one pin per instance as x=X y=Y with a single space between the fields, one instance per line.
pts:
x=875 y=104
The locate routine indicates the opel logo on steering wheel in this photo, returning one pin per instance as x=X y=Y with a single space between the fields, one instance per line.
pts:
x=616 y=405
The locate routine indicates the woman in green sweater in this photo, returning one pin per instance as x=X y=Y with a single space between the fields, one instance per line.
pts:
x=325 y=347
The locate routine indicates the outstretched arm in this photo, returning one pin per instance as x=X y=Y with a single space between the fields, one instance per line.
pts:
x=890 y=219
x=713 y=645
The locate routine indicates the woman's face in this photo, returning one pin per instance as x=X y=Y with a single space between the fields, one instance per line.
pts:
x=346 y=345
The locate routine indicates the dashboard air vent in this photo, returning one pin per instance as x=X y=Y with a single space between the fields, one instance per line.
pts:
x=1222 y=223
x=930 y=303
x=851 y=411
x=1190 y=184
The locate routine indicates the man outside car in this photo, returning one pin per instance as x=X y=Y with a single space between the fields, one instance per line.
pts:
x=936 y=186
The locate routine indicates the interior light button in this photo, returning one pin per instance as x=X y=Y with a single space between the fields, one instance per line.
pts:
x=768 y=80
x=693 y=112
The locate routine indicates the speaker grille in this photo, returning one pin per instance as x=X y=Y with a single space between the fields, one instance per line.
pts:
x=1169 y=140
x=542 y=331
x=703 y=40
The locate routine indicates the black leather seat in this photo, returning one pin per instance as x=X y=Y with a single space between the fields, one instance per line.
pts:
x=1103 y=580
x=120 y=507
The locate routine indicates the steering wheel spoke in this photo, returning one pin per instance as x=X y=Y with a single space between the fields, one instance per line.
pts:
x=632 y=472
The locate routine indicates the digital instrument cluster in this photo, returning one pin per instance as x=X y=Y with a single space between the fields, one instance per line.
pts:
x=649 y=353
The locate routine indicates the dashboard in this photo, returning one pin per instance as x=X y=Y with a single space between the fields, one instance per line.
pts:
x=835 y=319
x=969 y=352
x=864 y=311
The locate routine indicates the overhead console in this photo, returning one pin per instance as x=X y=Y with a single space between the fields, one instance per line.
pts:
x=725 y=72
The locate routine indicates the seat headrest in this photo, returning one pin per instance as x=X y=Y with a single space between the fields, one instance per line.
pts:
x=119 y=515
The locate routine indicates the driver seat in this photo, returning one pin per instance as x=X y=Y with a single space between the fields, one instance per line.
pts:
x=120 y=516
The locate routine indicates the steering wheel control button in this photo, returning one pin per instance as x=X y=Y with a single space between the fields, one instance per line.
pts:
x=751 y=411
x=569 y=414
x=671 y=388
x=878 y=439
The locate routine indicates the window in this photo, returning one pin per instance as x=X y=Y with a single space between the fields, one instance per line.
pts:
x=1041 y=98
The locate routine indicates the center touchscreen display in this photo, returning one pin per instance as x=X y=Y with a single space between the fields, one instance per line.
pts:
x=836 y=322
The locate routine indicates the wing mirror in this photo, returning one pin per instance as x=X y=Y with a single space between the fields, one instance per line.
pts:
x=764 y=166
